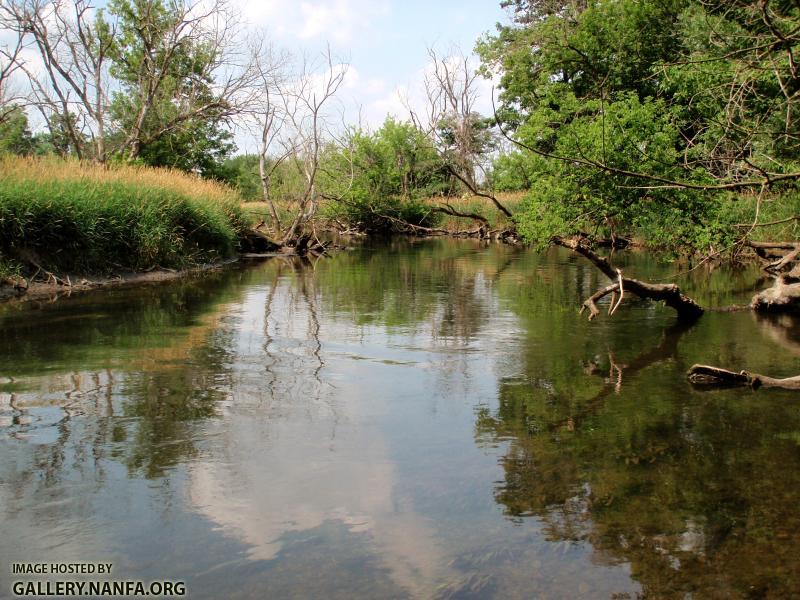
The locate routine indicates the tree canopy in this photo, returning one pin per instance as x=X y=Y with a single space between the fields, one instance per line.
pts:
x=673 y=120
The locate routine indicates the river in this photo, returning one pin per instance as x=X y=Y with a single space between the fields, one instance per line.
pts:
x=425 y=419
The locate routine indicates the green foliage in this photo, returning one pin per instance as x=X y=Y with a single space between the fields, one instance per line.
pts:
x=15 y=136
x=379 y=177
x=598 y=93
x=513 y=171
x=184 y=127
x=241 y=173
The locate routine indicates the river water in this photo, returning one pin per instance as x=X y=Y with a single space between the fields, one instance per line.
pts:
x=428 y=419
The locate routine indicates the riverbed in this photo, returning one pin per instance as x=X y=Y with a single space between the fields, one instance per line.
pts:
x=406 y=419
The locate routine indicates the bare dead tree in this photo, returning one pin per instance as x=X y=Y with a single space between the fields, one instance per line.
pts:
x=450 y=87
x=10 y=62
x=270 y=116
x=305 y=103
x=293 y=121
x=450 y=120
x=74 y=44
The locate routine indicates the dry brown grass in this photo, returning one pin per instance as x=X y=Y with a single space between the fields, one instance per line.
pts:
x=478 y=205
x=170 y=180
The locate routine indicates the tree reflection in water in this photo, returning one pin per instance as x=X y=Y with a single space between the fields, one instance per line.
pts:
x=691 y=489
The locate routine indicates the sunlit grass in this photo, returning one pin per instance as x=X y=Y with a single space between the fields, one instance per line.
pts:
x=70 y=215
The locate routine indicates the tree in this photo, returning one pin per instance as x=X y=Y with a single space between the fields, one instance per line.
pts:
x=73 y=41
x=685 y=140
x=153 y=80
x=181 y=80
x=449 y=119
x=9 y=63
x=678 y=139
x=293 y=118
x=375 y=179
x=15 y=136
x=271 y=115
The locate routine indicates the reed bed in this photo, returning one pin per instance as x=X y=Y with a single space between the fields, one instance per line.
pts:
x=79 y=217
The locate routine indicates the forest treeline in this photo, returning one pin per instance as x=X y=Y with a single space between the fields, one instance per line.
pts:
x=671 y=122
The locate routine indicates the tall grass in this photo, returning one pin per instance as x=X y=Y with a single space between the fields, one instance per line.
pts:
x=74 y=216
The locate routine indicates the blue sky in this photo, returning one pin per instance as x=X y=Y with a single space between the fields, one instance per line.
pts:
x=384 y=41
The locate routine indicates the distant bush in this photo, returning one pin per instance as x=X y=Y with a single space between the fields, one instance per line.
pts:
x=381 y=215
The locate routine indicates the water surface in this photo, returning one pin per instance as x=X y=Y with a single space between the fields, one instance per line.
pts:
x=427 y=420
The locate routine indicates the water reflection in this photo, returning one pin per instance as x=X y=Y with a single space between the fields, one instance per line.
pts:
x=415 y=420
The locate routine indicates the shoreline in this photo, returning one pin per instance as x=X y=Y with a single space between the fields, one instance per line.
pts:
x=51 y=291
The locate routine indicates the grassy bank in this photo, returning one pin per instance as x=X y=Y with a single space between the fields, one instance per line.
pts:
x=477 y=205
x=76 y=217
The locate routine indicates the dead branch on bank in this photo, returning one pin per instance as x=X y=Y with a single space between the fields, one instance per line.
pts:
x=448 y=209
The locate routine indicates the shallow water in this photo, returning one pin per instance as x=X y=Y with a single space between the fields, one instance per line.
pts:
x=429 y=419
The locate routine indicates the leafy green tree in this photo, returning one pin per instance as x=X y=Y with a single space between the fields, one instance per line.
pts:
x=241 y=172
x=376 y=177
x=15 y=136
x=670 y=120
x=167 y=61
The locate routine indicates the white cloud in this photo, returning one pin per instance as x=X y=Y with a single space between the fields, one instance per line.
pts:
x=396 y=101
x=339 y=20
x=342 y=22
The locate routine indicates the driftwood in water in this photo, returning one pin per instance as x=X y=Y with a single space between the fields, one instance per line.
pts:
x=714 y=376
x=669 y=293
x=255 y=240
x=781 y=297
x=779 y=257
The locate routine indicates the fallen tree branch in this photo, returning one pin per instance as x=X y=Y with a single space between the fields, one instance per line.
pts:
x=714 y=376
x=447 y=209
x=772 y=245
x=784 y=262
x=429 y=230
x=621 y=294
x=498 y=205
x=669 y=293
x=591 y=302
x=780 y=297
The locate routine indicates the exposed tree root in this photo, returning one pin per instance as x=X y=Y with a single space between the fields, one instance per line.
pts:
x=51 y=277
x=257 y=241
x=714 y=376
